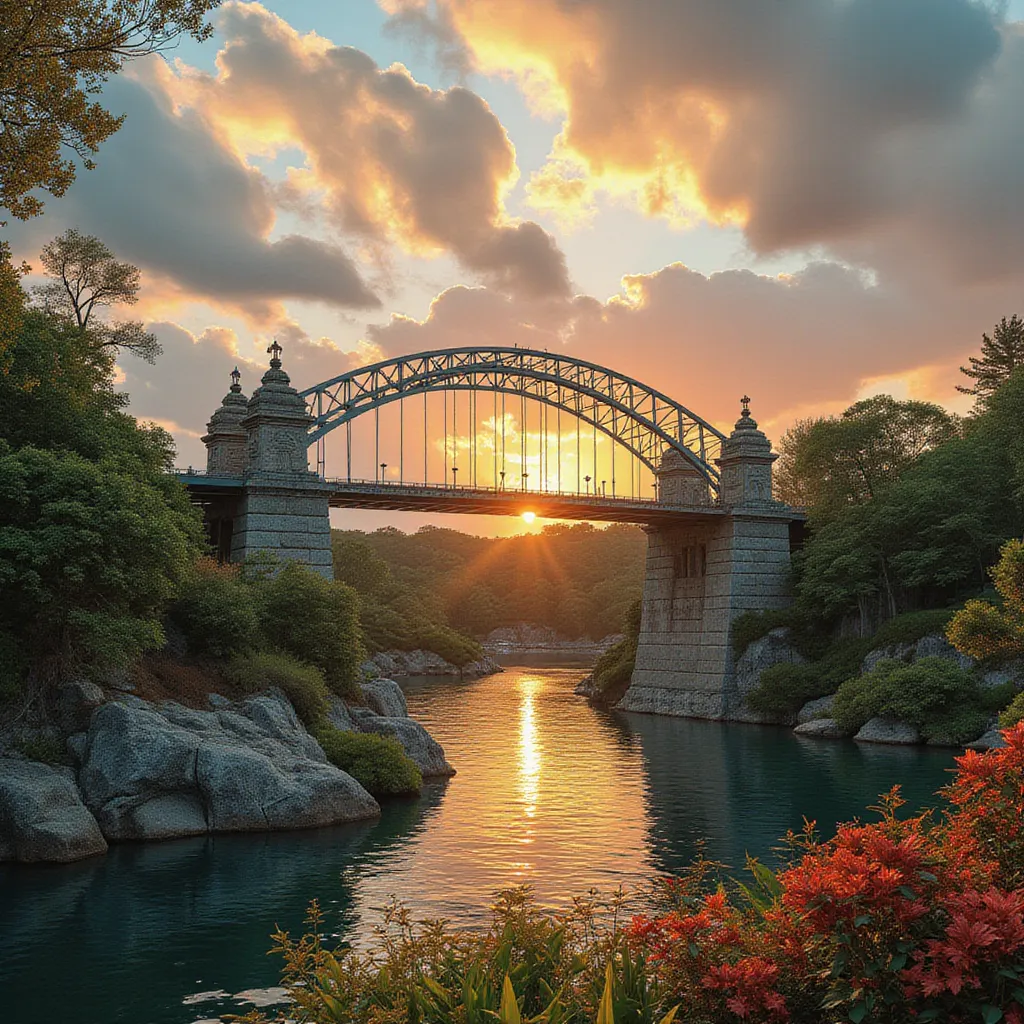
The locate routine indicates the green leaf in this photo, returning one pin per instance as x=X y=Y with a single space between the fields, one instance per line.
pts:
x=898 y=962
x=861 y=919
x=508 y=1012
x=605 y=1010
x=991 y=1014
x=858 y=1012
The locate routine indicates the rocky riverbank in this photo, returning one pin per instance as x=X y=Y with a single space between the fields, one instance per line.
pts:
x=814 y=720
x=150 y=770
x=527 y=639
x=402 y=664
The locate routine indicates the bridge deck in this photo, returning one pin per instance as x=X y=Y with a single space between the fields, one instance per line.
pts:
x=406 y=497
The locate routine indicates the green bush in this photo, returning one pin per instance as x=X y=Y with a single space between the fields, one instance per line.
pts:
x=449 y=644
x=303 y=684
x=751 y=626
x=1012 y=713
x=311 y=618
x=377 y=763
x=216 y=611
x=940 y=698
x=912 y=626
x=47 y=749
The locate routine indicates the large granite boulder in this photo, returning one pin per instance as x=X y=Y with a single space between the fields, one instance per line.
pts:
x=42 y=817
x=991 y=739
x=820 y=728
x=158 y=771
x=385 y=697
x=75 y=702
x=419 y=745
x=816 y=709
x=935 y=645
x=888 y=730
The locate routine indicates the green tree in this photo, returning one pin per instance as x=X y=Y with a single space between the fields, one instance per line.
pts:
x=90 y=552
x=1001 y=354
x=55 y=56
x=86 y=279
x=312 y=619
x=216 y=611
x=830 y=464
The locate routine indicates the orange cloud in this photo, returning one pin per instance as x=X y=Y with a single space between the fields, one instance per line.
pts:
x=393 y=159
x=888 y=131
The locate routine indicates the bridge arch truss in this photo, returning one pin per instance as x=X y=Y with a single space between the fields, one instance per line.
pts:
x=640 y=418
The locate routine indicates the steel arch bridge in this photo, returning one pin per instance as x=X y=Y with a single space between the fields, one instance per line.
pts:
x=642 y=419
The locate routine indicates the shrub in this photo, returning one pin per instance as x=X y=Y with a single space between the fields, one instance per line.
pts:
x=1012 y=713
x=312 y=619
x=47 y=749
x=216 y=611
x=912 y=626
x=751 y=626
x=903 y=919
x=940 y=698
x=302 y=684
x=785 y=688
x=377 y=763
x=449 y=644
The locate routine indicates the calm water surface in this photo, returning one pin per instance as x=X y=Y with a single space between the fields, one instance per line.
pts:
x=549 y=792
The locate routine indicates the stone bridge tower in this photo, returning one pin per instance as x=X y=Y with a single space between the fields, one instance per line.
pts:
x=706 y=571
x=283 y=508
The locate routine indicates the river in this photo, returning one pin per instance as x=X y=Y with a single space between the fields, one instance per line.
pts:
x=550 y=792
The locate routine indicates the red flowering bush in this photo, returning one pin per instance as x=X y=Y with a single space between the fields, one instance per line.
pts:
x=901 y=920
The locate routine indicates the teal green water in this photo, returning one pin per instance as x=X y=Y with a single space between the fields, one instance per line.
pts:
x=550 y=792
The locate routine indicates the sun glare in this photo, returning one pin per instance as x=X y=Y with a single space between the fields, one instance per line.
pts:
x=528 y=517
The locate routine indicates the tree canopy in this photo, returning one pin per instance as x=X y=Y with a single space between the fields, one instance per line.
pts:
x=1001 y=354
x=86 y=280
x=55 y=56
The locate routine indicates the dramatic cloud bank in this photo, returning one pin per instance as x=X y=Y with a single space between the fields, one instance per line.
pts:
x=889 y=130
x=396 y=160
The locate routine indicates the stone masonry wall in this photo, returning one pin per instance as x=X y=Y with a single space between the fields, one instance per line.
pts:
x=684 y=663
x=289 y=522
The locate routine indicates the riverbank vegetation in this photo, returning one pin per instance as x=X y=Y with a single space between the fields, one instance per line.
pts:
x=901 y=918
x=102 y=556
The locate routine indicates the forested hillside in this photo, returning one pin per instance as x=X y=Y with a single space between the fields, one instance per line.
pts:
x=577 y=579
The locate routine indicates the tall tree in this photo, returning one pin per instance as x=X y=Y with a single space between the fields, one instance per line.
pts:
x=832 y=463
x=1000 y=356
x=86 y=280
x=55 y=56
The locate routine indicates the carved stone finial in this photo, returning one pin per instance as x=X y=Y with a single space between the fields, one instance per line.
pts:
x=274 y=351
x=745 y=400
x=236 y=381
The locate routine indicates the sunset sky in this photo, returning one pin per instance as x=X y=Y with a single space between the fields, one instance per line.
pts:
x=805 y=200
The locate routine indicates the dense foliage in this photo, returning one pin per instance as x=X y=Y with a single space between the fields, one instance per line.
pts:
x=377 y=763
x=926 y=536
x=95 y=537
x=576 y=579
x=1001 y=355
x=943 y=700
x=903 y=919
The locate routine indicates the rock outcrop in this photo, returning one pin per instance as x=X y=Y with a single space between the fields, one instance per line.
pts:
x=816 y=709
x=387 y=714
x=774 y=648
x=935 y=645
x=401 y=664
x=42 y=817
x=820 y=728
x=888 y=730
x=157 y=771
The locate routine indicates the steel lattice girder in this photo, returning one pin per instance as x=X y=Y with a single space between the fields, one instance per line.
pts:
x=638 y=417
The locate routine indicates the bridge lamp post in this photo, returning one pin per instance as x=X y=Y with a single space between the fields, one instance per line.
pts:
x=525 y=475
x=383 y=468
x=603 y=491
x=455 y=476
x=502 y=475
x=587 y=481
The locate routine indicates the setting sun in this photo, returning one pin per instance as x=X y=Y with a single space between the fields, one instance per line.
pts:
x=528 y=517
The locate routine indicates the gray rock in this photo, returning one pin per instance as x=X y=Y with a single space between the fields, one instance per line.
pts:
x=42 y=817
x=1010 y=673
x=218 y=700
x=772 y=649
x=821 y=728
x=990 y=739
x=152 y=772
x=420 y=746
x=935 y=645
x=820 y=708
x=399 y=664
x=339 y=716
x=76 y=700
x=888 y=730
x=385 y=697
x=77 y=744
